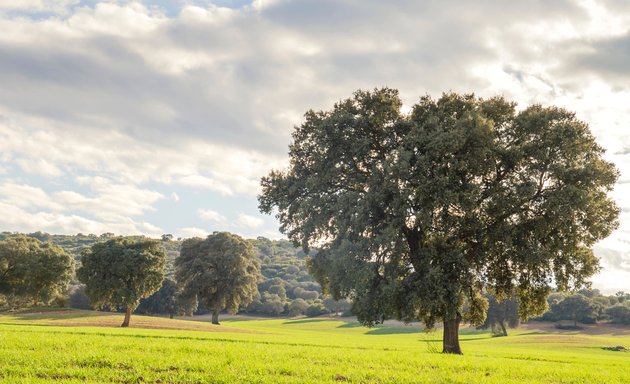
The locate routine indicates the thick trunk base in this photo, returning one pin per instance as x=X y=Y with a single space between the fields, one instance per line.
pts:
x=127 y=317
x=215 y=317
x=450 y=339
x=503 y=329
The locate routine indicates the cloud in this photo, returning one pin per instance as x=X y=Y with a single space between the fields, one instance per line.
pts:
x=248 y=221
x=31 y=6
x=189 y=232
x=18 y=219
x=214 y=216
x=107 y=107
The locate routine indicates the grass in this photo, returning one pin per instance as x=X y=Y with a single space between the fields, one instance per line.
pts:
x=82 y=346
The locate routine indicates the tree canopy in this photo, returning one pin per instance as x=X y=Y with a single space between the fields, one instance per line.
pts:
x=416 y=215
x=122 y=271
x=220 y=272
x=32 y=271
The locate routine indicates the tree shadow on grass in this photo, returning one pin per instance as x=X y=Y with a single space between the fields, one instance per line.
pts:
x=304 y=321
x=392 y=331
x=382 y=329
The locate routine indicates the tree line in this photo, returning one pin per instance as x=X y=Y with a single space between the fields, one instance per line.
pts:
x=284 y=286
x=586 y=306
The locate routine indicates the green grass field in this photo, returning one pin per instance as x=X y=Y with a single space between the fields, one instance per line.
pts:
x=84 y=346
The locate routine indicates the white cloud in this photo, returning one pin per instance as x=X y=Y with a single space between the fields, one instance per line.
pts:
x=15 y=218
x=26 y=197
x=175 y=197
x=214 y=216
x=36 y=5
x=192 y=232
x=248 y=221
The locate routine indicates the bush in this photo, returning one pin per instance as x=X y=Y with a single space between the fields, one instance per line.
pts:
x=298 y=307
x=619 y=314
x=315 y=310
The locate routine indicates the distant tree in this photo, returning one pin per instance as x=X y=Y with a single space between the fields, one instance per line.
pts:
x=622 y=296
x=619 y=313
x=278 y=290
x=297 y=307
x=220 y=271
x=415 y=215
x=315 y=310
x=121 y=272
x=164 y=301
x=271 y=304
x=33 y=271
x=167 y=237
x=337 y=306
x=577 y=308
x=501 y=315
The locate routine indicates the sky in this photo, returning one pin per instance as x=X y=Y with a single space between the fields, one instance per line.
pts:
x=153 y=117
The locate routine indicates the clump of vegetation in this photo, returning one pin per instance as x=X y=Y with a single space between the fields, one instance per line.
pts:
x=32 y=272
x=618 y=348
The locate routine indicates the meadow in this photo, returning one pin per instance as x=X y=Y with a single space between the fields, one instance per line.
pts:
x=83 y=346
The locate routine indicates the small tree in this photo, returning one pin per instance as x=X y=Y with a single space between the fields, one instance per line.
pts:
x=578 y=308
x=298 y=307
x=501 y=315
x=619 y=313
x=121 y=272
x=31 y=270
x=220 y=271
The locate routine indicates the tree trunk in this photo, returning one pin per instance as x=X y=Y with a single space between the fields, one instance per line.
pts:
x=215 y=316
x=170 y=315
x=502 y=323
x=450 y=340
x=127 y=317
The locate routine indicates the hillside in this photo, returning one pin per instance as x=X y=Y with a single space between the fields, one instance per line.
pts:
x=286 y=288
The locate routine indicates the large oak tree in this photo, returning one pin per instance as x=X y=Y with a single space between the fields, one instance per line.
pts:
x=416 y=215
x=121 y=272
x=219 y=272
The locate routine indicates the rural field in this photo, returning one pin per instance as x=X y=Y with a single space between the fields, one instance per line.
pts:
x=85 y=346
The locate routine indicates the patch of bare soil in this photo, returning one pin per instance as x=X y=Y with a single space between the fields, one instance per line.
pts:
x=142 y=324
x=80 y=318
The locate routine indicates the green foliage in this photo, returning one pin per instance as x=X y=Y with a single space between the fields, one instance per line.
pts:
x=578 y=308
x=32 y=271
x=122 y=271
x=315 y=310
x=416 y=215
x=619 y=313
x=298 y=307
x=165 y=301
x=220 y=272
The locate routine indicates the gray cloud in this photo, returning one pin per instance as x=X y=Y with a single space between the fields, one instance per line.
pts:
x=607 y=58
